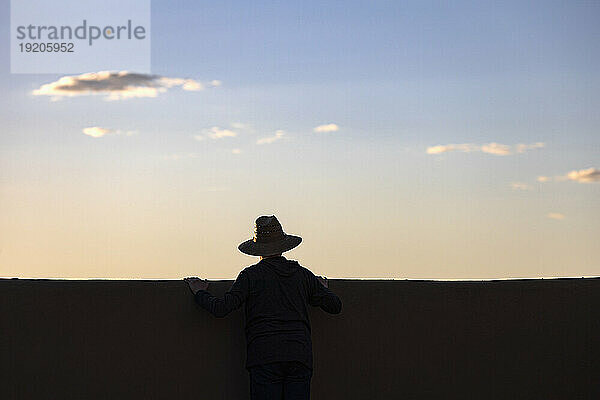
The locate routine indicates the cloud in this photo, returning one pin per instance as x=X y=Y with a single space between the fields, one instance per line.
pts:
x=554 y=215
x=522 y=148
x=98 y=132
x=239 y=125
x=117 y=85
x=465 y=148
x=242 y=127
x=585 y=175
x=236 y=151
x=268 y=140
x=326 y=128
x=494 y=148
x=219 y=133
x=589 y=175
x=519 y=186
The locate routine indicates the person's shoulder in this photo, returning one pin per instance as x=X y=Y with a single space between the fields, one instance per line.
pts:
x=301 y=267
x=251 y=268
x=255 y=269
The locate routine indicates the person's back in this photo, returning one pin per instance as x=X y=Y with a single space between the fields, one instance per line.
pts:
x=276 y=293
x=277 y=320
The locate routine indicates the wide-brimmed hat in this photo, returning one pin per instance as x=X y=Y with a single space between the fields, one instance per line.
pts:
x=269 y=238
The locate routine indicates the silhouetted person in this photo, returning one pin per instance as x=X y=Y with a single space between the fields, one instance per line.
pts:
x=276 y=293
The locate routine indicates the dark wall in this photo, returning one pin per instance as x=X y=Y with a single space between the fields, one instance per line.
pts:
x=105 y=339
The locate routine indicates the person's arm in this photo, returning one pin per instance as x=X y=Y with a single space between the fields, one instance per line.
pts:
x=321 y=296
x=232 y=300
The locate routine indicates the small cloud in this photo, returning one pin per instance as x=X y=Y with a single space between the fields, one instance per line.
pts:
x=326 y=128
x=117 y=85
x=494 y=148
x=554 y=215
x=236 y=151
x=219 y=133
x=268 y=140
x=585 y=175
x=465 y=148
x=191 y=85
x=522 y=148
x=520 y=186
x=238 y=125
x=242 y=127
x=199 y=138
x=589 y=175
x=98 y=132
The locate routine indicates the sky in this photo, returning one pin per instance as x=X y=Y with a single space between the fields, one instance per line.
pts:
x=404 y=140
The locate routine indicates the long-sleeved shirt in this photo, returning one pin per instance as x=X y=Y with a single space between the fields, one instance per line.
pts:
x=276 y=293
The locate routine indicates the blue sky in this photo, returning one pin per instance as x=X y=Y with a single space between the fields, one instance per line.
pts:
x=396 y=78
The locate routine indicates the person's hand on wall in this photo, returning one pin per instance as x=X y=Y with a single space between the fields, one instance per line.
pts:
x=195 y=284
x=323 y=281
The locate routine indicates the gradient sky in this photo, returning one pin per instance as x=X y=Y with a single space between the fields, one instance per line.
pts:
x=372 y=199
